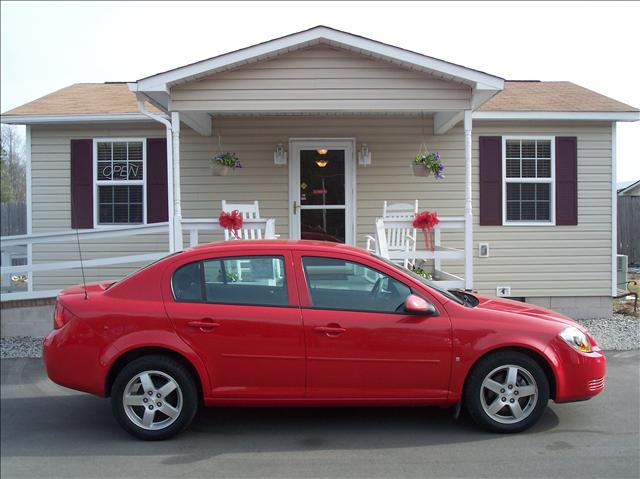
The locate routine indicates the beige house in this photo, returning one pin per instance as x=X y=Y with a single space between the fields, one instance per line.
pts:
x=529 y=173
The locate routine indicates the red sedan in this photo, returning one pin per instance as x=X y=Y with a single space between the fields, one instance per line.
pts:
x=302 y=323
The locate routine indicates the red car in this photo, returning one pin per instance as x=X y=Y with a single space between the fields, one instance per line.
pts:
x=302 y=323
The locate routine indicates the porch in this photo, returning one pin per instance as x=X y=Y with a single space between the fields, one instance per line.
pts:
x=391 y=139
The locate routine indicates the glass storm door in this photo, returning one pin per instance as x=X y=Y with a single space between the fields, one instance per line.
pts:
x=321 y=191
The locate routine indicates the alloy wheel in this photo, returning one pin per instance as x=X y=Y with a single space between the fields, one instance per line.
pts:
x=509 y=394
x=152 y=400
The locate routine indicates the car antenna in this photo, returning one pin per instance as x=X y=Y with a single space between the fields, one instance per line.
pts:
x=84 y=281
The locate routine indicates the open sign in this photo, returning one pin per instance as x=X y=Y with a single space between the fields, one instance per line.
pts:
x=123 y=172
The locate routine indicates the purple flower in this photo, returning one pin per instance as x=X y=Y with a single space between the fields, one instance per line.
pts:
x=238 y=165
x=441 y=167
x=437 y=156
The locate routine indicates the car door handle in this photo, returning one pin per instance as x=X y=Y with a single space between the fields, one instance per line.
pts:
x=330 y=330
x=205 y=326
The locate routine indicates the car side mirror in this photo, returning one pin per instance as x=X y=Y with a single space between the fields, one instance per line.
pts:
x=416 y=305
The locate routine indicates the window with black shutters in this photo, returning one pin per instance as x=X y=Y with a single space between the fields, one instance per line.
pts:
x=120 y=181
x=528 y=180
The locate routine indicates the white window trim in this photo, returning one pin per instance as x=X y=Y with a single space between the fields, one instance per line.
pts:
x=96 y=182
x=552 y=181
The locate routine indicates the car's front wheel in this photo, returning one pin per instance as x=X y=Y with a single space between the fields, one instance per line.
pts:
x=506 y=392
x=154 y=397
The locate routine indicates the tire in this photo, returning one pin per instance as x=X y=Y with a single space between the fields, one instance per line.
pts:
x=499 y=404
x=170 y=407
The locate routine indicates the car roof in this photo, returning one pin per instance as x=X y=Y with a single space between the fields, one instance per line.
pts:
x=257 y=245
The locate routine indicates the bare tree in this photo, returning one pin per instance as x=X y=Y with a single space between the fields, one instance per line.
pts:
x=12 y=167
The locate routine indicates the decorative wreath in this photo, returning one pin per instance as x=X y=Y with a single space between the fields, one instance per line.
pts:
x=426 y=221
x=231 y=221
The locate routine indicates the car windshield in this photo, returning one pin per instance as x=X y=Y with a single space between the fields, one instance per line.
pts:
x=430 y=284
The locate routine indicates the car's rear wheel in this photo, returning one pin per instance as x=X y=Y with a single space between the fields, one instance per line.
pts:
x=506 y=392
x=154 y=397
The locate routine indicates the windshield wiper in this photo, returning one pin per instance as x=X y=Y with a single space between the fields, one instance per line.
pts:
x=467 y=298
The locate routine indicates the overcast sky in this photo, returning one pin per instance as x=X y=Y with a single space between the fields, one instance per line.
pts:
x=47 y=46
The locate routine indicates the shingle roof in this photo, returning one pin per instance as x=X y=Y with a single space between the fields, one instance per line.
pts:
x=83 y=99
x=110 y=98
x=551 y=96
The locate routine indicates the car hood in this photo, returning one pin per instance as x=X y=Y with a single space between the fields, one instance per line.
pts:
x=509 y=306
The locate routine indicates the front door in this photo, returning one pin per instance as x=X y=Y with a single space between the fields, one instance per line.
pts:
x=321 y=190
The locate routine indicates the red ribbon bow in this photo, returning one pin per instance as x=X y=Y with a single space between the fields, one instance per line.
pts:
x=231 y=221
x=426 y=222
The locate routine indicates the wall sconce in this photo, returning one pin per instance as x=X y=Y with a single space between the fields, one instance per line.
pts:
x=280 y=155
x=364 y=155
x=322 y=151
x=321 y=162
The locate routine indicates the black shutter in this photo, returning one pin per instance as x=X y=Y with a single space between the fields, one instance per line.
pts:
x=490 y=180
x=81 y=184
x=566 y=180
x=157 y=188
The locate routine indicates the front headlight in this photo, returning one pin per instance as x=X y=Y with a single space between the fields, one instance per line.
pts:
x=576 y=339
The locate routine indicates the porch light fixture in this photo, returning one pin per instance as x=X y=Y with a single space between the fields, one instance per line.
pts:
x=364 y=155
x=321 y=162
x=322 y=151
x=280 y=155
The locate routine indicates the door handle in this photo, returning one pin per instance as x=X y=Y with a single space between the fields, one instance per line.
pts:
x=205 y=326
x=295 y=207
x=330 y=330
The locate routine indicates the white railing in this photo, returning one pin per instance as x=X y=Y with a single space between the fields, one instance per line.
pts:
x=267 y=227
x=74 y=236
x=193 y=226
x=437 y=254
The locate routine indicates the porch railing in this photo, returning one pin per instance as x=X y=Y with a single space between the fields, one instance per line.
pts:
x=439 y=252
x=10 y=243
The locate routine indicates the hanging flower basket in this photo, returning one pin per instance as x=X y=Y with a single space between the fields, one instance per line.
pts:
x=426 y=163
x=221 y=170
x=224 y=164
x=420 y=169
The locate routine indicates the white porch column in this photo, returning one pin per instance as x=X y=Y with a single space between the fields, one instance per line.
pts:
x=177 y=207
x=468 y=205
x=29 y=198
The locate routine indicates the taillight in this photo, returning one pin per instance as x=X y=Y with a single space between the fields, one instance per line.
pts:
x=61 y=316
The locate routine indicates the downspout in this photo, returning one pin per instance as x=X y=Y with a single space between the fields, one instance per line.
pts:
x=170 y=186
x=468 y=203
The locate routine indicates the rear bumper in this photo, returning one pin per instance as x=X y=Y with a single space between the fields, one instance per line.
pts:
x=73 y=365
x=579 y=376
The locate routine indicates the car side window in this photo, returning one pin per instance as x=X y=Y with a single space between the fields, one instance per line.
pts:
x=187 y=283
x=249 y=280
x=340 y=284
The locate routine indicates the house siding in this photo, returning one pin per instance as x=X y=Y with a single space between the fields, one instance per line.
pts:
x=537 y=261
x=51 y=205
x=320 y=78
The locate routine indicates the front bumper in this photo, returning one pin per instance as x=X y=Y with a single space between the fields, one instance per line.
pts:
x=579 y=376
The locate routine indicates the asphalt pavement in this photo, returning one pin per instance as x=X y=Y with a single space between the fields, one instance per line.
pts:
x=50 y=431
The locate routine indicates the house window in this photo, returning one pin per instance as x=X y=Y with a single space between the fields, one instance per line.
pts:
x=528 y=180
x=120 y=181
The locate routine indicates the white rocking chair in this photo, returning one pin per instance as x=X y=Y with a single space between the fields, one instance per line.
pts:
x=248 y=211
x=397 y=239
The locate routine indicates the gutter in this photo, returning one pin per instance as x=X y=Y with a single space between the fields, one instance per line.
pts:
x=170 y=186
